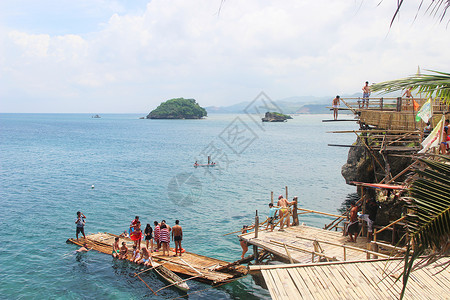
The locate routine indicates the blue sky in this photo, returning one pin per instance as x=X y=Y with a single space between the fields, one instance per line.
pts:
x=128 y=56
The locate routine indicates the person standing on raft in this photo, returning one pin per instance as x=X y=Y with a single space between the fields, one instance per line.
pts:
x=353 y=226
x=177 y=237
x=80 y=223
x=136 y=235
x=336 y=103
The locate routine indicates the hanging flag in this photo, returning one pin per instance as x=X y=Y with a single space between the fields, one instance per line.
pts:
x=433 y=140
x=425 y=111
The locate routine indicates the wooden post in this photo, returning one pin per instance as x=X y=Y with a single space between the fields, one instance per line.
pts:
x=381 y=103
x=255 y=253
x=295 y=221
x=256 y=224
x=345 y=253
x=399 y=104
x=375 y=249
x=286 y=193
x=209 y=159
x=271 y=197
x=374 y=234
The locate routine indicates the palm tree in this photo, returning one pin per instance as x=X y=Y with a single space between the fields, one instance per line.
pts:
x=429 y=224
x=436 y=84
x=437 y=8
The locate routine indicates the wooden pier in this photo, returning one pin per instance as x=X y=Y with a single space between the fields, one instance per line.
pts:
x=305 y=244
x=355 y=280
x=205 y=269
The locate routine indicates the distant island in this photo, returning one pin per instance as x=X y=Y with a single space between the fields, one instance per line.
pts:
x=275 y=117
x=178 y=108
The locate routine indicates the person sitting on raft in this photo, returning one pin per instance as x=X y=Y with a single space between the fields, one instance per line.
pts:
x=123 y=251
x=145 y=257
x=116 y=248
x=136 y=255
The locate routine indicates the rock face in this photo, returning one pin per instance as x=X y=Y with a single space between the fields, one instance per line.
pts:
x=358 y=167
x=275 y=117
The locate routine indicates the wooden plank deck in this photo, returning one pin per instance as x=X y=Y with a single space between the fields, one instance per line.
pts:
x=274 y=242
x=356 y=280
x=103 y=242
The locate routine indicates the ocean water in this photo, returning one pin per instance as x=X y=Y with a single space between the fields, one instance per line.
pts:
x=48 y=163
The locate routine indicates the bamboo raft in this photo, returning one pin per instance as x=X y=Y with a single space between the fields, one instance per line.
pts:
x=213 y=271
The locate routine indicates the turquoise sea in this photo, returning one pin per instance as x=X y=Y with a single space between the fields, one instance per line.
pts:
x=48 y=163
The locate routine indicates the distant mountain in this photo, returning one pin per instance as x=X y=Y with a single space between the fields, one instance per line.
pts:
x=291 y=105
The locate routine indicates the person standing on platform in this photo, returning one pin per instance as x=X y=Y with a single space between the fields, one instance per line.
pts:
x=336 y=102
x=366 y=94
x=80 y=223
x=353 y=228
x=272 y=212
x=243 y=243
x=148 y=232
x=284 y=212
x=177 y=237
x=370 y=217
x=408 y=95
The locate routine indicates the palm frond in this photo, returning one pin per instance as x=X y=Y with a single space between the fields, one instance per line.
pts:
x=429 y=222
x=433 y=85
x=437 y=8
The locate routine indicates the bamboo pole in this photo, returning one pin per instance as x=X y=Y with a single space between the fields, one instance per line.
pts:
x=192 y=267
x=287 y=193
x=345 y=246
x=271 y=197
x=136 y=274
x=321 y=213
x=393 y=223
x=301 y=249
x=288 y=254
x=146 y=285
x=177 y=282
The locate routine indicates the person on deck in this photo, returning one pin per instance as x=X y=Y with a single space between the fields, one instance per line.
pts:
x=116 y=248
x=366 y=94
x=336 y=102
x=165 y=239
x=136 y=235
x=370 y=217
x=409 y=96
x=80 y=221
x=157 y=235
x=145 y=257
x=123 y=251
x=148 y=233
x=243 y=243
x=136 y=255
x=284 y=212
x=353 y=228
x=272 y=216
x=133 y=224
x=177 y=237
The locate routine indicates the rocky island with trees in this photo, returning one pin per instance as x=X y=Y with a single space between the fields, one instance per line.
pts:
x=178 y=108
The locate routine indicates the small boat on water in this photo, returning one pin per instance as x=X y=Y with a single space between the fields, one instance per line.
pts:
x=170 y=277
x=209 y=164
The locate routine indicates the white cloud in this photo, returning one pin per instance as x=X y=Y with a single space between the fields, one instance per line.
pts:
x=137 y=58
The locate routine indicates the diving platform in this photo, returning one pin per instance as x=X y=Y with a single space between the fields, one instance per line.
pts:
x=305 y=244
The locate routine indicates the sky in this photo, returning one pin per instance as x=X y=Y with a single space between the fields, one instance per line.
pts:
x=128 y=56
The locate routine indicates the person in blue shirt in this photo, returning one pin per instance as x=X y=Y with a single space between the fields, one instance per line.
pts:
x=272 y=212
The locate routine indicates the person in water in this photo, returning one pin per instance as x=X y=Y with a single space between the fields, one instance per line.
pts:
x=84 y=248
x=116 y=248
x=148 y=233
x=177 y=237
x=243 y=243
x=272 y=216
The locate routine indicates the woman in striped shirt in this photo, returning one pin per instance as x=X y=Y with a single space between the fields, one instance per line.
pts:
x=157 y=232
x=165 y=238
